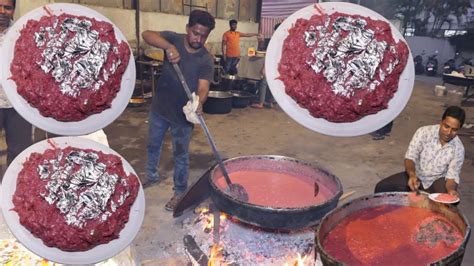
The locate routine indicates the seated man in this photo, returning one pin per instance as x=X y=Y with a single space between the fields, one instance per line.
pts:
x=434 y=158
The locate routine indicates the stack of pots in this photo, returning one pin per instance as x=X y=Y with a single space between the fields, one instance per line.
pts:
x=231 y=82
x=218 y=102
x=227 y=95
x=240 y=99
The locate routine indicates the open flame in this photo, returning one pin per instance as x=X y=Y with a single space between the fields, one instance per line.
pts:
x=227 y=251
x=298 y=261
x=216 y=258
x=204 y=215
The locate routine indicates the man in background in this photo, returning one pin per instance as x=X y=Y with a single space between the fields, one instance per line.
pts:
x=16 y=129
x=231 y=47
x=264 y=95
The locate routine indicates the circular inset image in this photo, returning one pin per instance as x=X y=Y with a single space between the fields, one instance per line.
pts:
x=67 y=69
x=92 y=199
x=339 y=69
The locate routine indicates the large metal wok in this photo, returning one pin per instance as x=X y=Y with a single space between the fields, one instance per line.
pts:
x=273 y=217
x=398 y=199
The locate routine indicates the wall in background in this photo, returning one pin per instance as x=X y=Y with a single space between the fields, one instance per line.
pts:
x=124 y=19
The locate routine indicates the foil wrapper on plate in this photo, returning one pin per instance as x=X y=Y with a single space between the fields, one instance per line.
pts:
x=80 y=187
x=74 y=56
x=349 y=63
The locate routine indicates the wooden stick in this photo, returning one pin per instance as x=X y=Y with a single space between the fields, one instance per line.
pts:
x=195 y=254
x=346 y=195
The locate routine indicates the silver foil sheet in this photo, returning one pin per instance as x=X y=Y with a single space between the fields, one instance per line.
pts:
x=80 y=187
x=74 y=56
x=348 y=63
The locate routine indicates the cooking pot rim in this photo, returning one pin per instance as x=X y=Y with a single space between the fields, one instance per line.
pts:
x=219 y=94
x=232 y=77
x=280 y=209
x=241 y=94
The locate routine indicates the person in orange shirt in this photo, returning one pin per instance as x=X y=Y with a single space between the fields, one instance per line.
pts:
x=231 y=47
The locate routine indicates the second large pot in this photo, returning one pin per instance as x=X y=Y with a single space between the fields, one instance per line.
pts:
x=394 y=200
x=231 y=82
x=286 y=218
x=241 y=99
x=218 y=102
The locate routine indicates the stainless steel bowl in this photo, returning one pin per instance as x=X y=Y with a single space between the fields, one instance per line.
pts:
x=220 y=94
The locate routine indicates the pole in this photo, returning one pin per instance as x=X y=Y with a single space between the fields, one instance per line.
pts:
x=137 y=25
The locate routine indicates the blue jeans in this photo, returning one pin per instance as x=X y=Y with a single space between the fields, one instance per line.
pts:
x=181 y=136
x=230 y=65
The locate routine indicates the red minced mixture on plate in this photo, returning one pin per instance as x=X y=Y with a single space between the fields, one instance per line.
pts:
x=69 y=67
x=341 y=67
x=446 y=197
x=74 y=199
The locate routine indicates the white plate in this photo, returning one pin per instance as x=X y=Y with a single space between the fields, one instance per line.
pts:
x=91 y=123
x=36 y=245
x=366 y=124
x=433 y=197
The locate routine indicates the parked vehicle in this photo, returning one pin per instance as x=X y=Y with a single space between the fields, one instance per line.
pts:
x=432 y=65
x=449 y=66
x=419 y=68
x=466 y=62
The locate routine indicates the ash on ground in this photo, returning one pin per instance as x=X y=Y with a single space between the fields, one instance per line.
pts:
x=249 y=245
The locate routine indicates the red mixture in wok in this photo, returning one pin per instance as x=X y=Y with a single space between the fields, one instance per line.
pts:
x=345 y=75
x=278 y=190
x=69 y=59
x=392 y=235
x=48 y=220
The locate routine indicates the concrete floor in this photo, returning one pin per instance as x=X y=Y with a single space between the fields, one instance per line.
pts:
x=359 y=162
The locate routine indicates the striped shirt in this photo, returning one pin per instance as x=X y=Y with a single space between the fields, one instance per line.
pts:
x=432 y=160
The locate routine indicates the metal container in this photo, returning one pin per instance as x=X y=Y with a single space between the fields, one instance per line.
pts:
x=231 y=82
x=218 y=102
x=393 y=198
x=271 y=217
x=439 y=90
x=241 y=99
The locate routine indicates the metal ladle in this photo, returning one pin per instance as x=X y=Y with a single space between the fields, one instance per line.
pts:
x=235 y=190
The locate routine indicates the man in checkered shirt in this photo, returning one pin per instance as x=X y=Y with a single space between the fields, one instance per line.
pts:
x=433 y=160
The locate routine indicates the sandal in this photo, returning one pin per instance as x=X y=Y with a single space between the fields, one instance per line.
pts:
x=173 y=202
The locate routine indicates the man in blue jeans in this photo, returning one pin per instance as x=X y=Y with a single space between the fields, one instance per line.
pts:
x=188 y=51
